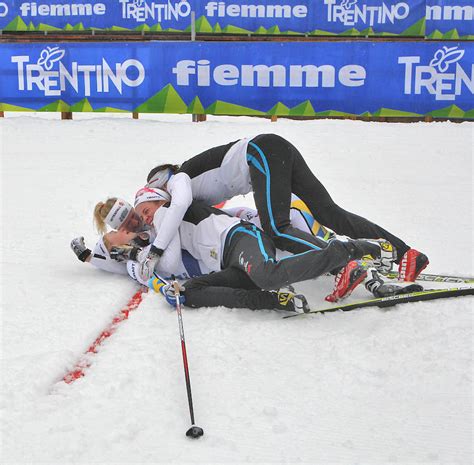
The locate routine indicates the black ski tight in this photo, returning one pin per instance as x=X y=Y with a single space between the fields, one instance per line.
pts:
x=251 y=270
x=277 y=169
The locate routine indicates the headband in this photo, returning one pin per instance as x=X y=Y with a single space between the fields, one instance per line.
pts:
x=160 y=178
x=147 y=194
x=118 y=214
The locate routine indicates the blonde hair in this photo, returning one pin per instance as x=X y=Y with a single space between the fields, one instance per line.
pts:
x=101 y=211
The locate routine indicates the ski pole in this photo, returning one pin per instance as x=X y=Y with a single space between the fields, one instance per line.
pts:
x=195 y=431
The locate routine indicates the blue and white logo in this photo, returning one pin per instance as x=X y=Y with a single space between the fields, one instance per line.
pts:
x=351 y=13
x=155 y=11
x=49 y=56
x=443 y=77
x=49 y=75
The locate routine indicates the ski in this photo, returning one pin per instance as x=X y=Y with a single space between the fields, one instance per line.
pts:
x=427 y=294
x=435 y=278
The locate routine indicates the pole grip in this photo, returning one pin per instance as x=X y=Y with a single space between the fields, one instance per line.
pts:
x=176 y=290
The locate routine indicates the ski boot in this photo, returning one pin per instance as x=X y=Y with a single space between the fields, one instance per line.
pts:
x=347 y=280
x=292 y=302
x=411 y=265
x=379 y=288
x=383 y=256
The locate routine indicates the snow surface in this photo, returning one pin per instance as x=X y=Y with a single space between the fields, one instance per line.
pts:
x=366 y=387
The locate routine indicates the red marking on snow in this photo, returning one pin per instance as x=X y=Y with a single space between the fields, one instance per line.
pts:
x=220 y=205
x=79 y=370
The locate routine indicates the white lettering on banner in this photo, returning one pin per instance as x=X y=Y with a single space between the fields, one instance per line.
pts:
x=142 y=10
x=349 y=13
x=79 y=76
x=71 y=9
x=221 y=10
x=267 y=76
x=3 y=9
x=434 y=78
x=450 y=12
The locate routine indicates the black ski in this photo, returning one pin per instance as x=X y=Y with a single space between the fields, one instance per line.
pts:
x=436 y=278
x=427 y=294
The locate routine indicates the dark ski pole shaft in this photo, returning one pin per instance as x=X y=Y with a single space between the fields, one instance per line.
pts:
x=194 y=431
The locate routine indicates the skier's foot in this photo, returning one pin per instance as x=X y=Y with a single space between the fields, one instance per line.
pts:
x=388 y=290
x=347 y=280
x=379 y=288
x=382 y=255
x=411 y=265
x=292 y=302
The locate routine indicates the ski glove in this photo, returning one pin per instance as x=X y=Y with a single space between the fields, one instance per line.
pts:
x=148 y=265
x=124 y=253
x=79 y=248
x=141 y=240
x=168 y=292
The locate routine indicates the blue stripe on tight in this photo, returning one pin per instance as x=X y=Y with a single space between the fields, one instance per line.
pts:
x=297 y=255
x=258 y=235
x=268 y=196
x=254 y=233
x=253 y=160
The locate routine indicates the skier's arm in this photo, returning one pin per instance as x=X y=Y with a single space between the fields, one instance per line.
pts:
x=101 y=259
x=179 y=187
x=171 y=262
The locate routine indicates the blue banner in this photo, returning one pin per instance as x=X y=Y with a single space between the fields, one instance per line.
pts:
x=450 y=19
x=260 y=78
x=314 y=17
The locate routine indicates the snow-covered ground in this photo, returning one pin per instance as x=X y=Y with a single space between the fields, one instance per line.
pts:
x=367 y=387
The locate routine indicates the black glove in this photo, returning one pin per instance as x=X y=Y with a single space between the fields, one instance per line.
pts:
x=124 y=253
x=79 y=248
x=142 y=240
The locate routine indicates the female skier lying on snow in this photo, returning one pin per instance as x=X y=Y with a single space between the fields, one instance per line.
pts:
x=243 y=258
x=273 y=169
x=112 y=253
x=299 y=215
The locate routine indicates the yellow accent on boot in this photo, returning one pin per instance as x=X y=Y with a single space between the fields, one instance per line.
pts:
x=284 y=298
x=386 y=246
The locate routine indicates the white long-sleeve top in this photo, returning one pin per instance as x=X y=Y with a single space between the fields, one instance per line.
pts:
x=101 y=259
x=173 y=262
x=202 y=233
x=208 y=177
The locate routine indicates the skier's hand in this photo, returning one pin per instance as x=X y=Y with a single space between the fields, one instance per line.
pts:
x=141 y=240
x=78 y=246
x=148 y=265
x=124 y=253
x=169 y=294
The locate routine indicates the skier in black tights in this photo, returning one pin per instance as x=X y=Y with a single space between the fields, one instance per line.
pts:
x=272 y=168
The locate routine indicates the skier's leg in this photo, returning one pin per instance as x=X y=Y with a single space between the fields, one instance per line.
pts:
x=252 y=251
x=232 y=288
x=270 y=163
x=301 y=218
x=327 y=212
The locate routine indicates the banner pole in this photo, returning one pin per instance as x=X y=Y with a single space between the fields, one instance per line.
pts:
x=193 y=26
